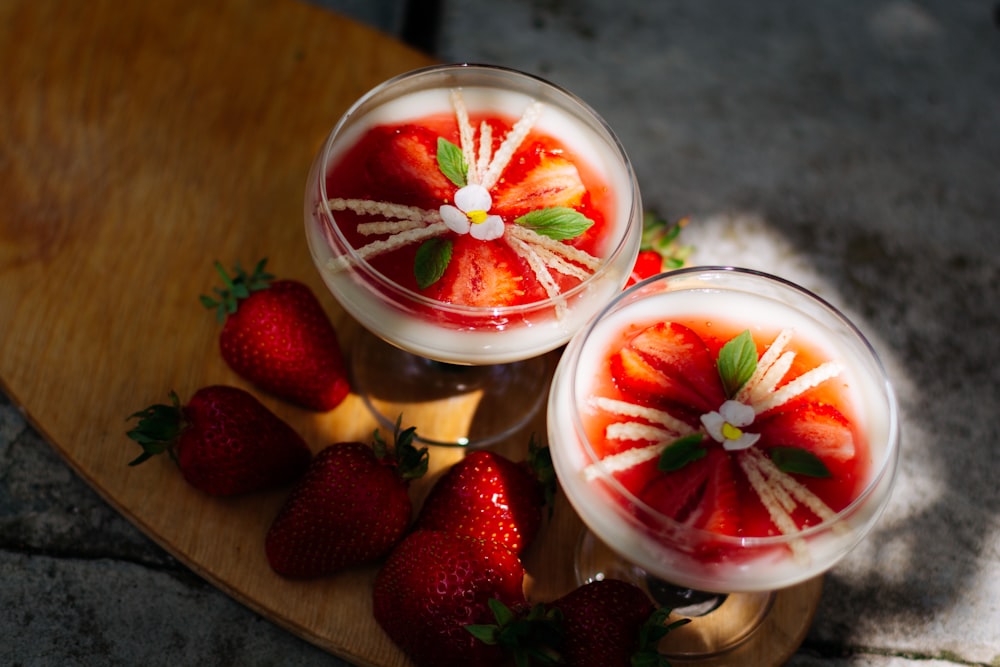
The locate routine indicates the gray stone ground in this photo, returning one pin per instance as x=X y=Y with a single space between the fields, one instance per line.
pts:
x=851 y=146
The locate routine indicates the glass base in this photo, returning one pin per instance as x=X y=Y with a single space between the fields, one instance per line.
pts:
x=718 y=622
x=449 y=404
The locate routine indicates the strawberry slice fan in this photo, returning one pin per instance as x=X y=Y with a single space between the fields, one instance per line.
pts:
x=726 y=437
x=471 y=218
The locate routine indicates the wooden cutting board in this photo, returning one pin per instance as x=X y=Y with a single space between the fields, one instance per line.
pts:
x=140 y=143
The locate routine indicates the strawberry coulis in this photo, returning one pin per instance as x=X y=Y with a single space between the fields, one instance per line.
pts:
x=373 y=169
x=847 y=478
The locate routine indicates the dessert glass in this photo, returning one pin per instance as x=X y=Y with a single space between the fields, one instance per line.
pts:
x=377 y=208
x=608 y=450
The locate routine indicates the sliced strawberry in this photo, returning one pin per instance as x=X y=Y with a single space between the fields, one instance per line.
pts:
x=817 y=427
x=824 y=431
x=554 y=181
x=481 y=274
x=647 y=264
x=403 y=162
x=702 y=494
x=668 y=363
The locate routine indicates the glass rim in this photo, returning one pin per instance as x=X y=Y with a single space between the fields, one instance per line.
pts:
x=886 y=465
x=584 y=111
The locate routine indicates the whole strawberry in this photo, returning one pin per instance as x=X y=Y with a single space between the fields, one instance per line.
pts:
x=351 y=507
x=611 y=623
x=224 y=440
x=488 y=496
x=606 y=623
x=659 y=250
x=436 y=583
x=277 y=336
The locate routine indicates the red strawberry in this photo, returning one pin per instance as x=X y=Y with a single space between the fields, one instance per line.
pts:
x=436 y=583
x=224 y=441
x=554 y=181
x=702 y=494
x=480 y=274
x=490 y=497
x=404 y=161
x=351 y=507
x=610 y=623
x=669 y=363
x=817 y=427
x=277 y=336
x=659 y=250
x=648 y=263
x=604 y=623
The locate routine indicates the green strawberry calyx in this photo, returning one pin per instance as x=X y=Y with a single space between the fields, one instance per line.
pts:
x=410 y=462
x=158 y=428
x=236 y=288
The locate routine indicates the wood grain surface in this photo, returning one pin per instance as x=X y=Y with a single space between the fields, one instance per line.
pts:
x=140 y=143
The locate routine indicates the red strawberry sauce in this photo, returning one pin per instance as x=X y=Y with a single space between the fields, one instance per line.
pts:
x=396 y=164
x=823 y=405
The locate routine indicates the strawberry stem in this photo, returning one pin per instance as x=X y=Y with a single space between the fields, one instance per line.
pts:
x=236 y=288
x=651 y=632
x=158 y=427
x=410 y=462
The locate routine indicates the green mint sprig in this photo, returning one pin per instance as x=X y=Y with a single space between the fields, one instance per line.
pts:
x=798 y=461
x=737 y=362
x=452 y=163
x=558 y=222
x=681 y=452
x=431 y=261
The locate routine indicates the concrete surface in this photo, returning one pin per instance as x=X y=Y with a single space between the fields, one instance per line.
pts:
x=851 y=146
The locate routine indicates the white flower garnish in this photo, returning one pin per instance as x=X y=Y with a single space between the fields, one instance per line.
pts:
x=726 y=425
x=470 y=215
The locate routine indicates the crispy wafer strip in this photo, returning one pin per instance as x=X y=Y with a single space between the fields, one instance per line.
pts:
x=798 y=386
x=659 y=417
x=485 y=148
x=782 y=479
x=396 y=241
x=622 y=461
x=772 y=377
x=378 y=227
x=781 y=516
x=765 y=362
x=567 y=251
x=539 y=268
x=557 y=263
x=385 y=209
x=466 y=136
x=510 y=143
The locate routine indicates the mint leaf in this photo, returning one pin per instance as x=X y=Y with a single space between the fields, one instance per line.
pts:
x=681 y=452
x=737 y=362
x=558 y=223
x=798 y=461
x=451 y=162
x=431 y=261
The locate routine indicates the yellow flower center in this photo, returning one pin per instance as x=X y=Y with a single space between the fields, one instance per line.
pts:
x=476 y=217
x=730 y=432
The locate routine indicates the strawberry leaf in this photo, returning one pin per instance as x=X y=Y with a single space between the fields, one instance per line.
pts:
x=236 y=288
x=558 y=222
x=798 y=461
x=410 y=461
x=451 y=162
x=432 y=258
x=737 y=362
x=652 y=631
x=158 y=427
x=681 y=452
